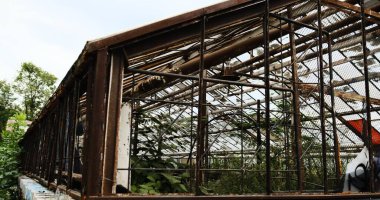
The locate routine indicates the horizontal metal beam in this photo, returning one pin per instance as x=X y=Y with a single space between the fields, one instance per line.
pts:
x=344 y=5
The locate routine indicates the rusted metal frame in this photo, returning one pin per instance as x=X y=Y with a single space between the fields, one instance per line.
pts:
x=158 y=101
x=52 y=164
x=61 y=140
x=42 y=151
x=368 y=127
x=73 y=129
x=302 y=40
x=258 y=128
x=212 y=80
x=295 y=22
x=36 y=149
x=348 y=30
x=41 y=147
x=47 y=145
x=335 y=47
x=185 y=42
x=114 y=100
x=348 y=60
x=268 y=177
x=372 y=52
x=338 y=166
x=321 y=95
x=184 y=26
x=192 y=139
x=351 y=112
x=296 y=106
x=186 y=53
x=339 y=117
x=50 y=126
x=308 y=88
x=89 y=100
x=238 y=47
x=32 y=150
x=241 y=142
x=300 y=48
x=154 y=65
x=371 y=75
x=50 y=133
x=96 y=109
x=348 y=6
x=177 y=92
x=202 y=111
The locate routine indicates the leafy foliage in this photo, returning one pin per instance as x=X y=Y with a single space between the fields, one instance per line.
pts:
x=9 y=154
x=149 y=156
x=35 y=86
x=7 y=107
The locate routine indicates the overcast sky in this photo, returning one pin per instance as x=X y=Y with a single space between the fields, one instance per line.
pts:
x=52 y=33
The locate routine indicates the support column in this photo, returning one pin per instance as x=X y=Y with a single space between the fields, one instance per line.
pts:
x=96 y=106
x=338 y=167
x=114 y=99
x=368 y=126
x=267 y=98
x=322 y=98
x=202 y=113
x=296 y=120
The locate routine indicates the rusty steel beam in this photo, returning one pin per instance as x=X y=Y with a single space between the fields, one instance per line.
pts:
x=96 y=107
x=236 y=48
x=202 y=112
x=307 y=88
x=371 y=75
x=345 y=5
x=368 y=100
x=114 y=99
x=296 y=119
x=155 y=36
x=338 y=166
x=266 y=29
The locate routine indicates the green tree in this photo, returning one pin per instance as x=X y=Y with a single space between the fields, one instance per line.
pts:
x=35 y=86
x=7 y=107
x=9 y=157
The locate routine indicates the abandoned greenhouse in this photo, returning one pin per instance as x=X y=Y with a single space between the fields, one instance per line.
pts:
x=239 y=100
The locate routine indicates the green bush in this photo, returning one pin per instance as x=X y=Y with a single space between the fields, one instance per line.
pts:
x=9 y=157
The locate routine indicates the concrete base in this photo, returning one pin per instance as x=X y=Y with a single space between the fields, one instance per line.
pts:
x=32 y=190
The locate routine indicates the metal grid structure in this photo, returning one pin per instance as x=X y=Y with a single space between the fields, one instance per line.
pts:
x=260 y=91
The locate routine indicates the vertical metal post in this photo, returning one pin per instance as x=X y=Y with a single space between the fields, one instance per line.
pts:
x=321 y=97
x=241 y=142
x=258 y=128
x=202 y=119
x=190 y=159
x=61 y=138
x=114 y=100
x=54 y=141
x=72 y=130
x=368 y=126
x=296 y=106
x=96 y=105
x=338 y=171
x=267 y=98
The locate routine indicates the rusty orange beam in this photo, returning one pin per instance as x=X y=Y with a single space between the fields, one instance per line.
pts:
x=348 y=6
